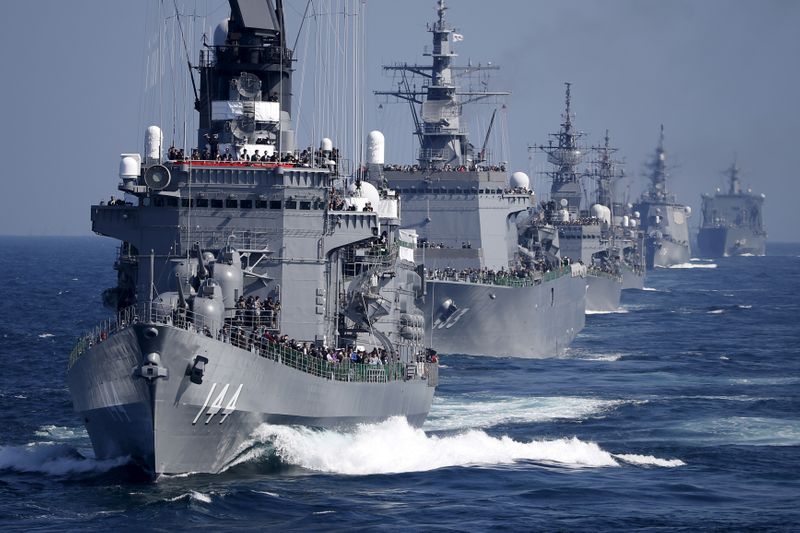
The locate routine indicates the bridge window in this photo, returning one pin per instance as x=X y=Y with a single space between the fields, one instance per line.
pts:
x=306 y=206
x=275 y=204
x=261 y=204
x=231 y=204
x=216 y=204
x=246 y=204
x=202 y=202
x=291 y=204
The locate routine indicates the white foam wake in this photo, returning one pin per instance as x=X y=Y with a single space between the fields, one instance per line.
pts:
x=53 y=459
x=395 y=447
x=452 y=414
x=61 y=433
x=192 y=496
x=46 y=335
x=617 y=311
x=694 y=265
x=648 y=460
x=650 y=289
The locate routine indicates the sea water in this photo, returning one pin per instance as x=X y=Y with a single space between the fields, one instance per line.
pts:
x=680 y=411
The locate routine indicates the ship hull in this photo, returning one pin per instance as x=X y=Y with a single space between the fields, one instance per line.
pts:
x=602 y=293
x=663 y=253
x=632 y=279
x=531 y=322
x=723 y=242
x=170 y=425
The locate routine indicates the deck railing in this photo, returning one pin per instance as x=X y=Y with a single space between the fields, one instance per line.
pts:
x=497 y=279
x=345 y=370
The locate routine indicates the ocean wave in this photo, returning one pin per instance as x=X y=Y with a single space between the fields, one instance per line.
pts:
x=61 y=433
x=453 y=414
x=648 y=460
x=53 y=459
x=395 y=447
x=617 y=311
x=651 y=289
x=715 y=312
x=694 y=265
x=192 y=496
x=46 y=335
x=747 y=431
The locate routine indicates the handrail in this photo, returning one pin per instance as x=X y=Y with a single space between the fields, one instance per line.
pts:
x=345 y=370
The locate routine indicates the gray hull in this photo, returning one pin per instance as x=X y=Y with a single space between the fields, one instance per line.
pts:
x=723 y=242
x=532 y=322
x=632 y=279
x=663 y=253
x=169 y=424
x=602 y=293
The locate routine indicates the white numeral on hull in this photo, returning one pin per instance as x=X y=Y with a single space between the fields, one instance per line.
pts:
x=216 y=405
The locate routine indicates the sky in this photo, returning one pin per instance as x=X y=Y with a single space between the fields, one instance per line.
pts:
x=721 y=75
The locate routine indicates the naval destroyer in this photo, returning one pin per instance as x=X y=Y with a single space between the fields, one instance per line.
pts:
x=624 y=229
x=664 y=221
x=584 y=235
x=484 y=293
x=251 y=289
x=732 y=221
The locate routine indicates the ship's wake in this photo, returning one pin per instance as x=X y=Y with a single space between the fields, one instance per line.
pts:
x=694 y=265
x=393 y=447
x=54 y=459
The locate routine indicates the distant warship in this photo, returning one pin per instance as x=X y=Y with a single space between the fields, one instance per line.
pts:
x=732 y=222
x=584 y=235
x=251 y=288
x=625 y=228
x=484 y=293
x=663 y=219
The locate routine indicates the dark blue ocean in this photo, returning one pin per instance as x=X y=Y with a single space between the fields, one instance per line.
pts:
x=680 y=412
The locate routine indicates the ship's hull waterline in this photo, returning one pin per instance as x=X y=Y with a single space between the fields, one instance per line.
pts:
x=663 y=253
x=170 y=424
x=602 y=293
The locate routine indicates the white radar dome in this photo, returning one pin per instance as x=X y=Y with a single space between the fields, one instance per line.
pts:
x=688 y=211
x=221 y=33
x=128 y=167
x=367 y=191
x=519 y=180
x=153 y=141
x=376 y=145
x=326 y=145
x=601 y=213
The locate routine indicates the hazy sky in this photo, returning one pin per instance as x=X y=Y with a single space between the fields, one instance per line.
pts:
x=721 y=75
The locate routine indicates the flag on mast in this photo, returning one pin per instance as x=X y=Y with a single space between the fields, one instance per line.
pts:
x=457 y=37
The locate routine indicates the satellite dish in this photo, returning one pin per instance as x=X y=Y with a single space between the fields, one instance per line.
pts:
x=248 y=86
x=157 y=177
x=243 y=127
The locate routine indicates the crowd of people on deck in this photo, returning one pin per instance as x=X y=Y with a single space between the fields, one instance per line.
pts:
x=444 y=168
x=304 y=158
x=521 y=274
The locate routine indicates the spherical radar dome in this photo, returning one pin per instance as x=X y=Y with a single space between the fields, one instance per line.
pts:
x=367 y=191
x=519 y=180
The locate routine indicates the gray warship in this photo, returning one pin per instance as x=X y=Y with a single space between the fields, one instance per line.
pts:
x=625 y=226
x=664 y=221
x=732 y=222
x=484 y=294
x=583 y=234
x=250 y=289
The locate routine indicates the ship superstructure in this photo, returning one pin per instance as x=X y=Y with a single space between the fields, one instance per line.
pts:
x=253 y=287
x=664 y=220
x=733 y=221
x=583 y=233
x=483 y=295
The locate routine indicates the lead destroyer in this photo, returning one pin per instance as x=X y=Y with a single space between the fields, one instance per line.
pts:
x=192 y=363
x=733 y=223
x=664 y=221
x=484 y=294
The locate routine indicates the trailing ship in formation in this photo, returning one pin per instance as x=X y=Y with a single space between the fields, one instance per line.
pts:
x=485 y=292
x=193 y=363
x=733 y=223
x=585 y=236
x=664 y=221
x=624 y=229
